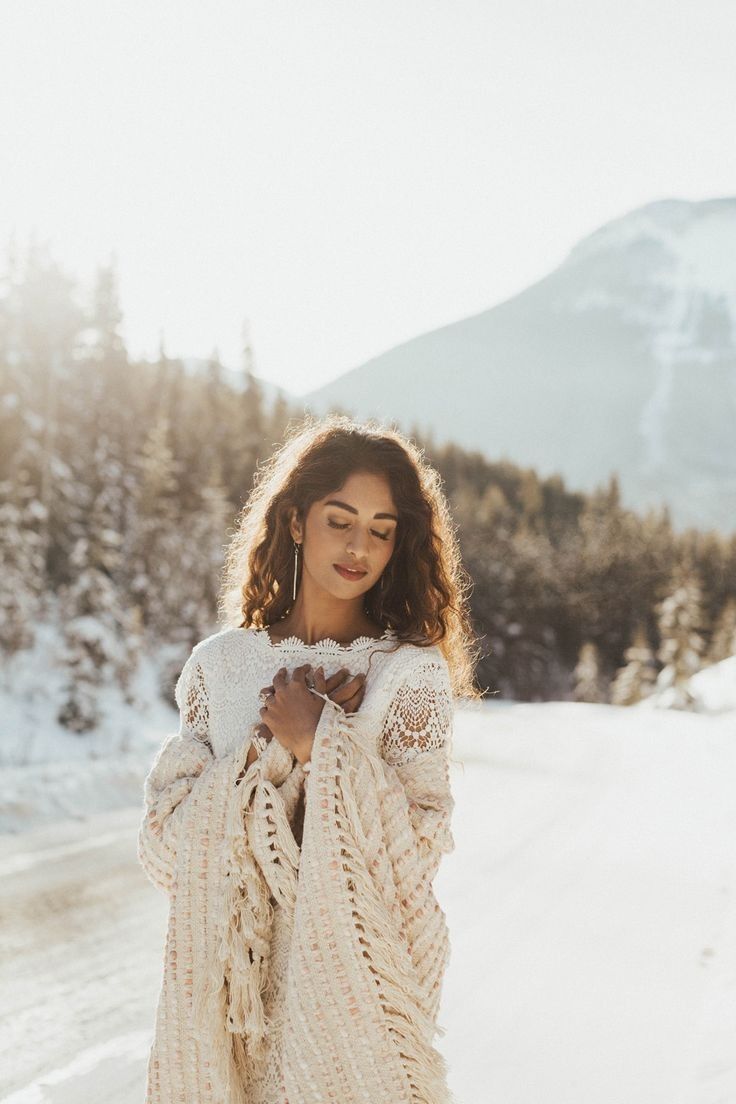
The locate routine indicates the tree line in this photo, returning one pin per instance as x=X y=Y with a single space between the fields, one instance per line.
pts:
x=120 y=480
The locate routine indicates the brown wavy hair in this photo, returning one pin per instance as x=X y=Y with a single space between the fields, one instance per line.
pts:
x=422 y=594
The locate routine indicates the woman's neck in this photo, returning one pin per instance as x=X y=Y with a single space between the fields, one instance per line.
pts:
x=312 y=630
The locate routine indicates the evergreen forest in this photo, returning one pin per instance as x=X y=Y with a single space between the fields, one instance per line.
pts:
x=121 y=478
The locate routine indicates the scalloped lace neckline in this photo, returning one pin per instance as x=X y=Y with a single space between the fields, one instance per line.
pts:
x=327 y=643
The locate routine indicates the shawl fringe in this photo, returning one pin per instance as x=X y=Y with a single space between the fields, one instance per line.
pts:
x=376 y=916
x=228 y=1005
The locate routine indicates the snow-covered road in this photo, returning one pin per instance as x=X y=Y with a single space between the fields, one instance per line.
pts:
x=81 y=936
x=591 y=900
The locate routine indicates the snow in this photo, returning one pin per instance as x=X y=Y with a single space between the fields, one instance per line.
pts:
x=592 y=897
x=689 y=270
x=653 y=419
x=591 y=900
x=715 y=686
x=714 y=689
x=667 y=270
x=701 y=236
x=77 y=774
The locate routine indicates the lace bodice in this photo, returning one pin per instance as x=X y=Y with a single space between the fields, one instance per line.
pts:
x=402 y=688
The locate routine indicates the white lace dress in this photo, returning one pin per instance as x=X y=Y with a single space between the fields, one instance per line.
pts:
x=408 y=691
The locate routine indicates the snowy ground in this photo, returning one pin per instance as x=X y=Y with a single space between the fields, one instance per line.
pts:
x=592 y=897
x=591 y=900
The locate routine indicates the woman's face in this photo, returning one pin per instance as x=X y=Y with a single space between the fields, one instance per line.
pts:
x=354 y=526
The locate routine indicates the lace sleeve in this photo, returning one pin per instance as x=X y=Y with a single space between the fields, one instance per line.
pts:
x=419 y=718
x=193 y=702
x=181 y=760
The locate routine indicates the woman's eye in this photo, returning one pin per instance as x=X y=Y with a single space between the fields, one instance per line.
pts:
x=337 y=525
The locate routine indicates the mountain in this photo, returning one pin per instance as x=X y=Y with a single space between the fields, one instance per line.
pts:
x=622 y=359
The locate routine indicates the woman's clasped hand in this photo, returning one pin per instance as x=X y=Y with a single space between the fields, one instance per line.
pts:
x=290 y=711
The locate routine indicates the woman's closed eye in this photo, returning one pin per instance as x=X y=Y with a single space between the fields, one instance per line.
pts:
x=337 y=525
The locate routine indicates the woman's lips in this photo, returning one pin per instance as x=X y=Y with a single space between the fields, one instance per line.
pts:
x=354 y=576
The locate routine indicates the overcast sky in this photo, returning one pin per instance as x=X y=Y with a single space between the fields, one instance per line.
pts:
x=345 y=176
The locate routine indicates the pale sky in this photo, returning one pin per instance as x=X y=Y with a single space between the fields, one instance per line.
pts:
x=346 y=176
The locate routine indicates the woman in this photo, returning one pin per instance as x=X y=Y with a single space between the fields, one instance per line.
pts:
x=298 y=817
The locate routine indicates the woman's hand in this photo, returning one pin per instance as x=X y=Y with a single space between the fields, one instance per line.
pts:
x=346 y=690
x=291 y=711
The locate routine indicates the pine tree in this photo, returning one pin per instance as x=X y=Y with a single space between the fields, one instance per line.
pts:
x=723 y=644
x=88 y=640
x=98 y=639
x=279 y=418
x=682 y=645
x=103 y=340
x=153 y=547
x=215 y=436
x=23 y=566
x=252 y=420
x=635 y=680
x=202 y=557
x=40 y=324
x=587 y=676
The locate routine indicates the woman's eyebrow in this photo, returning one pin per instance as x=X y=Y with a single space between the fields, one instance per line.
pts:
x=352 y=510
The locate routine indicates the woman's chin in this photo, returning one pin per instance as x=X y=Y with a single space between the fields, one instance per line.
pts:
x=343 y=589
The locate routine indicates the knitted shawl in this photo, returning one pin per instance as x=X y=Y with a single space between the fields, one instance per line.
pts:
x=369 y=941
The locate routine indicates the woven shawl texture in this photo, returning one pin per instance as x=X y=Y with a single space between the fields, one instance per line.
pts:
x=302 y=973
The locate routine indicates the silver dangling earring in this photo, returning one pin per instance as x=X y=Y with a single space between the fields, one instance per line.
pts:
x=296 y=568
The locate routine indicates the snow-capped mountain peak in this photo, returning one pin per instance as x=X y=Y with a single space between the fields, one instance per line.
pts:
x=622 y=359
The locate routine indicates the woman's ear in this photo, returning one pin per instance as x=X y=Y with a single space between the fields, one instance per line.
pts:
x=295 y=527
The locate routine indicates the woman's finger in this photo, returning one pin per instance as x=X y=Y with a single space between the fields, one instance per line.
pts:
x=335 y=680
x=346 y=691
x=354 y=702
x=279 y=679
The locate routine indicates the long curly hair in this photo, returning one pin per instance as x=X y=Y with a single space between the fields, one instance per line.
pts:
x=423 y=591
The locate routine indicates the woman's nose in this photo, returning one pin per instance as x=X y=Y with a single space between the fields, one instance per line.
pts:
x=357 y=544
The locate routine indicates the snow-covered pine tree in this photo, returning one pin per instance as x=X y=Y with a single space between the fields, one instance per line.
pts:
x=252 y=421
x=682 y=645
x=588 y=682
x=153 y=547
x=99 y=645
x=23 y=518
x=279 y=417
x=635 y=680
x=201 y=556
x=218 y=512
x=108 y=347
x=218 y=440
x=723 y=644
x=40 y=321
x=22 y=565
x=98 y=642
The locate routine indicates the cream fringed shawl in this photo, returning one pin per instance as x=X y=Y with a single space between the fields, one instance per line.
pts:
x=369 y=943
